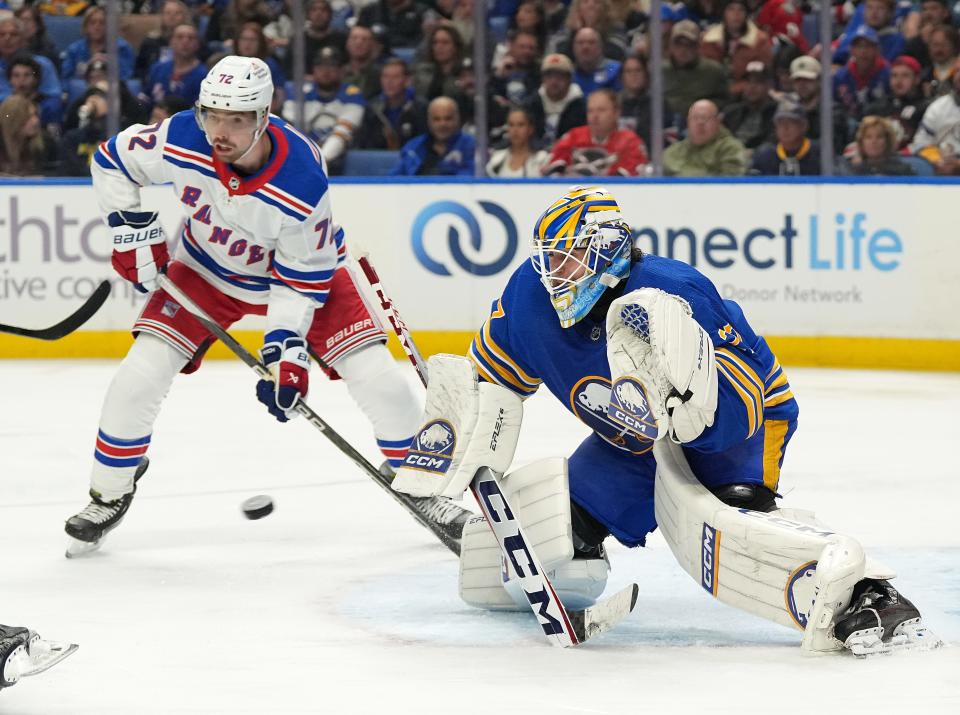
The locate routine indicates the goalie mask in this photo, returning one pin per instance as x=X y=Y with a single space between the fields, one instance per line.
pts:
x=581 y=245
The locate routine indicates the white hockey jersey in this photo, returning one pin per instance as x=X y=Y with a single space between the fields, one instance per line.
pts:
x=267 y=238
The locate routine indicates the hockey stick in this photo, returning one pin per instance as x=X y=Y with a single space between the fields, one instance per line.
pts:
x=390 y=311
x=562 y=627
x=407 y=502
x=68 y=324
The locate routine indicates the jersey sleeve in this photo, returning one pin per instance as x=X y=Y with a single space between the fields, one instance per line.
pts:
x=127 y=161
x=498 y=359
x=306 y=257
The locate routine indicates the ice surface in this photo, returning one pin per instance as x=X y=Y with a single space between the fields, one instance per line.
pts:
x=339 y=602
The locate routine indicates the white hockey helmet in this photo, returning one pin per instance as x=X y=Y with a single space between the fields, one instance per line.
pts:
x=237 y=84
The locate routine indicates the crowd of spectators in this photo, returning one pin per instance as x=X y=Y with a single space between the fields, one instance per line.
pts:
x=567 y=91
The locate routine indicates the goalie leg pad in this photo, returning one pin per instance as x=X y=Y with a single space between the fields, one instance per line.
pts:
x=466 y=426
x=541 y=494
x=789 y=572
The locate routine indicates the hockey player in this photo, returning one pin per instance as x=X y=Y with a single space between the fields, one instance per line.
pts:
x=258 y=238
x=642 y=348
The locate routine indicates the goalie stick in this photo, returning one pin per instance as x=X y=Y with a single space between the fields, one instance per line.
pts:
x=301 y=407
x=562 y=627
x=68 y=324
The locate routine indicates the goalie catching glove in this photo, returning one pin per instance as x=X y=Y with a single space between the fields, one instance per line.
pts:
x=139 y=247
x=285 y=355
x=662 y=367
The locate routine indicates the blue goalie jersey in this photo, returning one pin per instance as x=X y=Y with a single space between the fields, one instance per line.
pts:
x=521 y=346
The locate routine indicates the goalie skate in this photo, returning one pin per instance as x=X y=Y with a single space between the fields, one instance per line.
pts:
x=881 y=621
x=88 y=528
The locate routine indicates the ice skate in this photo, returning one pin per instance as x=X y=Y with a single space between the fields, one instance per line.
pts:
x=443 y=511
x=880 y=620
x=88 y=528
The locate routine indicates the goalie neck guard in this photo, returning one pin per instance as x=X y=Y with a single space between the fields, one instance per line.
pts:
x=581 y=245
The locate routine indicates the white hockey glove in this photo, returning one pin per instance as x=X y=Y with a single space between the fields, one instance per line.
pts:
x=139 y=247
x=662 y=366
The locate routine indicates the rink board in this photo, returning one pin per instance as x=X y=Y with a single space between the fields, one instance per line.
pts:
x=838 y=274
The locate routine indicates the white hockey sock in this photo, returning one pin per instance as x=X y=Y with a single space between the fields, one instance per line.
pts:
x=129 y=411
x=385 y=396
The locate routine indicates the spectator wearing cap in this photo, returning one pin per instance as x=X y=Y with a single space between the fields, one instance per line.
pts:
x=598 y=16
x=73 y=61
x=938 y=138
x=905 y=104
x=23 y=77
x=591 y=70
x=709 y=148
x=181 y=75
x=250 y=41
x=878 y=15
x=736 y=42
x=395 y=116
x=444 y=150
x=794 y=153
x=558 y=105
x=866 y=76
x=805 y=79
x=401 y=18
x=600 y=148
x=363 y=58
x=933 y=14
x=943 y=48
x=751 y=119
x=437 y=75
x=11 y=45
x=688 y=77
x=318 y=34
x=332 y=110
x=875 y=151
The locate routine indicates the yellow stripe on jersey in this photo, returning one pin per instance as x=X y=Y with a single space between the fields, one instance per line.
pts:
x=748 y=372
x=481 y=370
x=774 y=435
x=493 y=347
x=753 y=414
x=778 y=391
x=503 y=374
x=735 y=369
x=778 y=398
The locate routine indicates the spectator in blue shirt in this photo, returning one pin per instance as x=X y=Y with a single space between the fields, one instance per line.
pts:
x=591 y=70
x=444 y=150
x=11 y=43
x=866 y=76
x=73 y=61
x=182 y=75
x=23 y=75
x=251 y=42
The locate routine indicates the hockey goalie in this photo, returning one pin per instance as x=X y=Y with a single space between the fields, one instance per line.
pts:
x=691 y=414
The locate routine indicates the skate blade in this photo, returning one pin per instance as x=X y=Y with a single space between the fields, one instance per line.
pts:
x=42 y=656
x=909 y=635
x=77 y=549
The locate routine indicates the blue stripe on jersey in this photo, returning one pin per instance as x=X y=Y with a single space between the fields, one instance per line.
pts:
x=309 y=276
x=184 y=132
x=112 y=146
x=302 y=175
x=252 y=283
x=267 y=199
x=189 y=165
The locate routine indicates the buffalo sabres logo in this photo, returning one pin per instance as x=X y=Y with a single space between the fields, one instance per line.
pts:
x=432 y=448
x=590 y=400
x=630 y=408
x=234 y=183
x=800 y=593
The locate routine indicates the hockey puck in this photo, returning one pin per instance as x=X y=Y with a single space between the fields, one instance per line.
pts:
x=257 y=507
